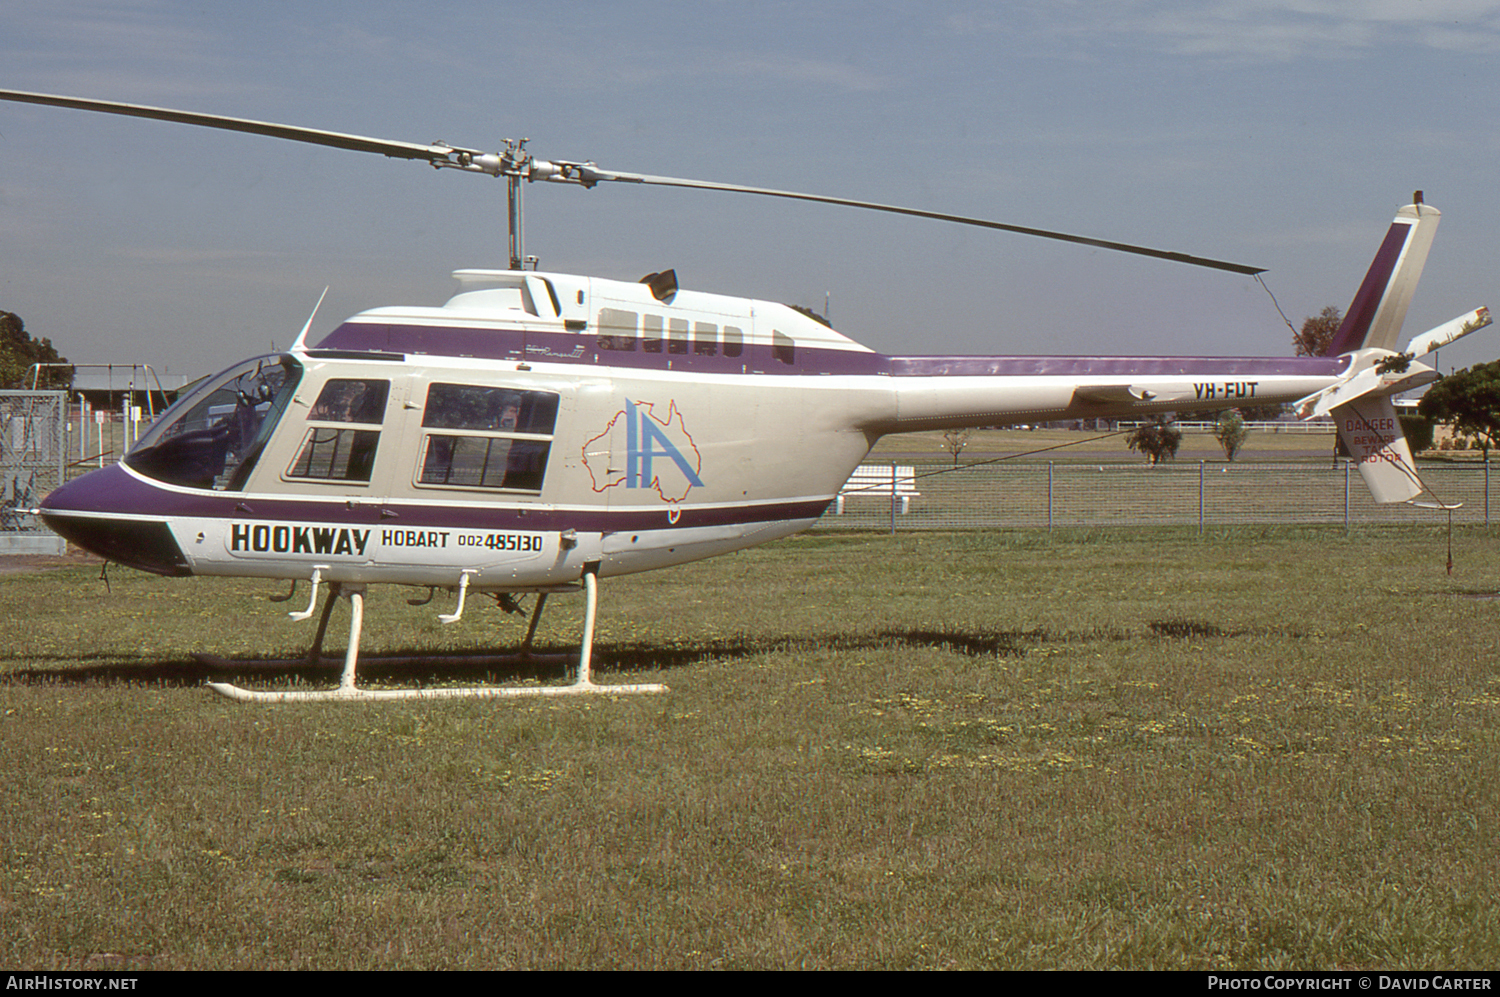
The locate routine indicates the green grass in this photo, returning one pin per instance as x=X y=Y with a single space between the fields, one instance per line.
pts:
x=1263 y=748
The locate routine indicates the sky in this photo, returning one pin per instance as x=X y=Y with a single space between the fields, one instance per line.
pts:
x=1277 y=134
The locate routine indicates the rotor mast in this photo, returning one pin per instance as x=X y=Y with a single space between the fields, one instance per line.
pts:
x=515 y=151
x=517 y=166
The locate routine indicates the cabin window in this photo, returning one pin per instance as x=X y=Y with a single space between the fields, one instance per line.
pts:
x=705 y=339
x=651 y=333
x=213 y=436
x=484 y=462
x=486 y=407
x=617 y=329
x=783 y=347
x=677 y=335
x=336 y=455
x=734 y=341
x=333 y=452
x=347 y=399
x=504 y=438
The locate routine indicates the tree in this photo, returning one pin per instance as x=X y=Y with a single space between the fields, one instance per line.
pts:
x=1230 y=431
x=1157 y=439
x=954 y=441
x=1318 y=332
x=1261 y=413
x=18 y=351
x=1469 y=401
x=1418 y=432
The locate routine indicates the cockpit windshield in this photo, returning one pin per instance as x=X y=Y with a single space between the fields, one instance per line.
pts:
x=212 y=437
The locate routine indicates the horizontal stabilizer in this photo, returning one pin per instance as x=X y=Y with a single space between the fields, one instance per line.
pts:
x=1449 y=332
x=1367 y=379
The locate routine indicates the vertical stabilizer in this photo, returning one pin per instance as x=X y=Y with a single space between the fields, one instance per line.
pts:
x=1371 y=432
x=1375 y=316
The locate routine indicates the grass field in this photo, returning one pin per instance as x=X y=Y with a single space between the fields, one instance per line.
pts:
x=1262 y=748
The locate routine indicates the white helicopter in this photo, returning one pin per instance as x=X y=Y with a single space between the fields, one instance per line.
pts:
x=540 y=431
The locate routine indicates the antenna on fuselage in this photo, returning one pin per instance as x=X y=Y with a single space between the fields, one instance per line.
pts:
x=299 y=345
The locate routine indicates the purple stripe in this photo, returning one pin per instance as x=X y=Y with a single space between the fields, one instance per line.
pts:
x=575 y=348
x=1356 y=324
x=583 y=348
x=112 y=490
x=1123 y=367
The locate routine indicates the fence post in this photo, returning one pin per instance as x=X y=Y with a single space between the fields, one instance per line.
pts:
x=1049 y=496
x=1346 y=497
x=893 y=500
x=1200 y=497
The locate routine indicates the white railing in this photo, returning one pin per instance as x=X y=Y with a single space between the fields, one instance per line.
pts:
x=1292 y=427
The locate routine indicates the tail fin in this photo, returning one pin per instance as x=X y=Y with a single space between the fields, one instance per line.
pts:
x=1360 y=402
x=1372 y=434
x=1375 y=316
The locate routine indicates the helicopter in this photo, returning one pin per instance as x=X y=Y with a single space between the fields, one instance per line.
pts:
x=541 y=431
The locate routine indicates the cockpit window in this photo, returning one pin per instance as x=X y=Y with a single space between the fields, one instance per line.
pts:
x=212 y=437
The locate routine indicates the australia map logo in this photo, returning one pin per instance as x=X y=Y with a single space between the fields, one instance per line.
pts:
x=659 y=454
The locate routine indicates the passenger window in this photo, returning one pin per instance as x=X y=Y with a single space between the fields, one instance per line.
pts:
x=677 y=335
x=345 y=399
x=617 y=330
x=705 y=339
x=734 y=341
x=336 y=455
x=483 y=407
x=333 y=453
x=484 y=462
x=505 y=440
x=783 y=347
x=651 y=333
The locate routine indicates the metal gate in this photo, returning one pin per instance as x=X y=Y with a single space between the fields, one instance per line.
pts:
x=33 y=428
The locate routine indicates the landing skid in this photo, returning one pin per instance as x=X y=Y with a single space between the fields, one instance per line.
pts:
x=348 y=692
x=214 y=662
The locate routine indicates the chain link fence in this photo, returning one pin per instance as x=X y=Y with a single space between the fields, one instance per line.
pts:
x=1054 y=495
x=33 y=431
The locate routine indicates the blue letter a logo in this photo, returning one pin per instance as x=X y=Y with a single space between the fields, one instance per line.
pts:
x=646 y=439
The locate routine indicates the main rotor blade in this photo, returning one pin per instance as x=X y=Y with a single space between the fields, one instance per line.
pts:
x=338 y=140
x=1122 y=247
x=515 y=162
